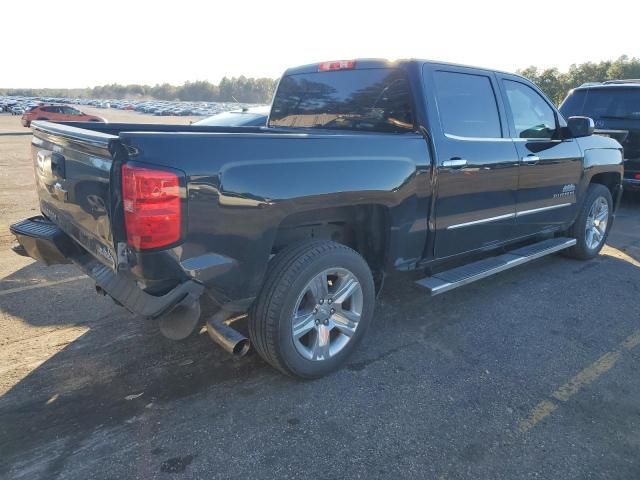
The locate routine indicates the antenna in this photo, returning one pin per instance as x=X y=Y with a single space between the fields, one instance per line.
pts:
x=244 y=109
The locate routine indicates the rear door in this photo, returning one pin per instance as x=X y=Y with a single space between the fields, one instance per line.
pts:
x=70 y=114
x=550 y=166
x=477 y=171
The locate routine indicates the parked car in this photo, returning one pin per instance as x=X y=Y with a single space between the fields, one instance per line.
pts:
x=615 y=107
x=58 y=113
x=17 y=110
x=366 y=167
x=247 y=117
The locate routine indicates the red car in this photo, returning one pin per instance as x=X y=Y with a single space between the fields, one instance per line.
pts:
x=57 y=113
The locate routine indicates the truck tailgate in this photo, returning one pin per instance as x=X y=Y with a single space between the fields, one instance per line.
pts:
x=73 y=174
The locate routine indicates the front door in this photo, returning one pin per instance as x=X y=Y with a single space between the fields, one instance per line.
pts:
x=478 y=164
x=550 y=166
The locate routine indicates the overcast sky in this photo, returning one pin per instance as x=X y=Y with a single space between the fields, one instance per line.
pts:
x=68 y=43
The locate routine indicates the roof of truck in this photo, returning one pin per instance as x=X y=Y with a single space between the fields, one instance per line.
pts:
x=364 y=63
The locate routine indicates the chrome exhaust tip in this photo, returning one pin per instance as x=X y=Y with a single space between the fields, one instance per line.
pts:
x=228 y=338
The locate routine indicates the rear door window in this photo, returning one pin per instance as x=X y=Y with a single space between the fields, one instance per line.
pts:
x=52 y=109
x=376 y=100
x=467 y=105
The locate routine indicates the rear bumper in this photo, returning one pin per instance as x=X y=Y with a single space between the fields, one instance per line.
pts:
x=43 y=240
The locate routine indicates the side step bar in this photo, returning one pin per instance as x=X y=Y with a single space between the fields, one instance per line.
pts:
x=459 y=276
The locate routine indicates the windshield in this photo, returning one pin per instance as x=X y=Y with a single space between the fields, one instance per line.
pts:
x=603 y=103
x=376 y=100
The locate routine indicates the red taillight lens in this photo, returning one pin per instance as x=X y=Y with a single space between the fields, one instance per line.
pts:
x=152 y=210
x=637 y=176
x=336 y=65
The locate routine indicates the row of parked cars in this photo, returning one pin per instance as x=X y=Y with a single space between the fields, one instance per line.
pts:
x=59 y=110
x=17 y=105
x=157 y=107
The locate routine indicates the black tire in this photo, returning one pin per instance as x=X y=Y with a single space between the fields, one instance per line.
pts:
x=581 y=250
x=270 y=319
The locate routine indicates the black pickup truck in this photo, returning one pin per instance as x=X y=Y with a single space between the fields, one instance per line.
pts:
x=365 y=167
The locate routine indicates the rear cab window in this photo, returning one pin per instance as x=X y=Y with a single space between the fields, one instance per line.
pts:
x=372 y=99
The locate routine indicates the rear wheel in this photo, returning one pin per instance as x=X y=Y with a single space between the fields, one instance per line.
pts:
x=314 y=308
x=592 y=226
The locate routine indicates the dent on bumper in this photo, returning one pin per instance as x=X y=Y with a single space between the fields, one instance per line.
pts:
x=126 y=292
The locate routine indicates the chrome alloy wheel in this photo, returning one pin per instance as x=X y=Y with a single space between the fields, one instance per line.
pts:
x=597 y=221
x=327 y=314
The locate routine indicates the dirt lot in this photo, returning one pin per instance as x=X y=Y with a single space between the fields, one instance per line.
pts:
x=530 y=374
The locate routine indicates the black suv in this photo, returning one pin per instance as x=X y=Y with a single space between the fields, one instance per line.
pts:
x=614 y=106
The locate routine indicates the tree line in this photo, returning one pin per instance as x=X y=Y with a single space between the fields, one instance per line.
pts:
x=243 y=89
x=554 y=83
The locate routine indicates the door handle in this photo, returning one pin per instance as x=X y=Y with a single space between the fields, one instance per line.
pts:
x=455 y=162
x=530 y=159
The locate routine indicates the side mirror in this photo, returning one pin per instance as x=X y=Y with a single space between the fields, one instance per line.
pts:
x=580 y=126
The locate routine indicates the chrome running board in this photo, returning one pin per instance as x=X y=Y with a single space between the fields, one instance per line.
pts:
x=459 y=276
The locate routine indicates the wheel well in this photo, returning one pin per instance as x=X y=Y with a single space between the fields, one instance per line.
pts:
x=365 y=228
x=609 y=179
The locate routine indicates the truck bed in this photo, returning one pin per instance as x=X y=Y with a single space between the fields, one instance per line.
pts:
x=236 y=189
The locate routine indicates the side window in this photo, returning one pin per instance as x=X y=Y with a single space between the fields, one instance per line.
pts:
x=532 y=116
x=467 y=105
x=69 y=111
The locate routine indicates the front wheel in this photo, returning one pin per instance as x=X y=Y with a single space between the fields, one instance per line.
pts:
x=592 y=226
x=314 y=308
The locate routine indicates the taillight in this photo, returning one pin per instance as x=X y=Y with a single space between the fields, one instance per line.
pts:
x=336 y=65
x=152 y=210
x=637 y=176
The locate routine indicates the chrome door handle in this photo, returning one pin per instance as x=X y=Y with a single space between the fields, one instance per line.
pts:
x=455 y=163
x=531 y=159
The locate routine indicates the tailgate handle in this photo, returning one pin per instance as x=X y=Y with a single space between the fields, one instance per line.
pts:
x=58 y=165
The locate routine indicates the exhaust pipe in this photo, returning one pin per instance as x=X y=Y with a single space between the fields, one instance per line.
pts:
x=228 y=338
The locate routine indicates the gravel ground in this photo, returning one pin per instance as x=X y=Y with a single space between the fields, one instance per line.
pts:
x=529 y=374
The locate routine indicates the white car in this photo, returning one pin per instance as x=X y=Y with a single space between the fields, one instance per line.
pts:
x=17 y=110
